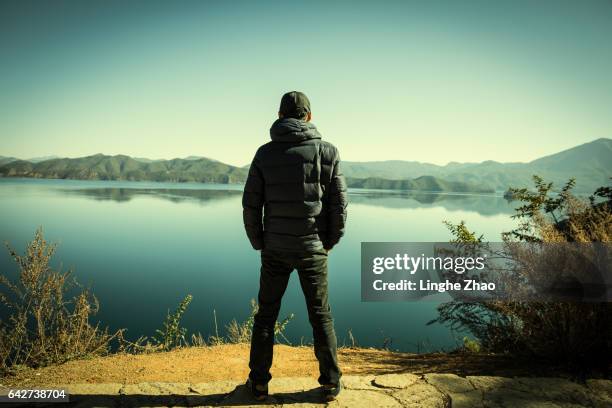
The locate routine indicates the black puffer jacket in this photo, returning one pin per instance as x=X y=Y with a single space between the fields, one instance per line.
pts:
x=296 y=183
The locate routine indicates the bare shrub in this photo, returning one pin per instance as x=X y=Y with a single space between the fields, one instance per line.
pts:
x=575 y=334
x=42 y=327
x=197 y=340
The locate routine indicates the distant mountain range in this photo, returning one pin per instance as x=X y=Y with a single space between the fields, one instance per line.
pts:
x=590 y=164
x=5 y=159
x=121 y=167
x=190 y=169
x=422 y=183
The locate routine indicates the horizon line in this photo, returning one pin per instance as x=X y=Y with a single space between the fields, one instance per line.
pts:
x=52 y=157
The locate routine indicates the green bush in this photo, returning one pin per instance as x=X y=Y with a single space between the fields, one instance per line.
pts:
x=172 y=335
x=575 y=334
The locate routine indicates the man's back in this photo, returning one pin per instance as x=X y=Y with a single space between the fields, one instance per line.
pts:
x=294 y=209
x=296 y=180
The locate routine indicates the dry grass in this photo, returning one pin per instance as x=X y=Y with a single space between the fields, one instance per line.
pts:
x=238 y=333
x=43 y=327
x=230 y=362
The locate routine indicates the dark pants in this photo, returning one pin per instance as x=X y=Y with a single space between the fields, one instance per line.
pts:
x=275 y=270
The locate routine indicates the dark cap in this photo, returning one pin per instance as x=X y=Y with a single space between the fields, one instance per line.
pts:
x=294 y=105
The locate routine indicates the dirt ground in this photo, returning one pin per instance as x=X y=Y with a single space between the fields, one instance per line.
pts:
x=230 y=362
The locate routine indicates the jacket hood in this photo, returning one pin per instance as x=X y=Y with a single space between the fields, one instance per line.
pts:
x=293 y=130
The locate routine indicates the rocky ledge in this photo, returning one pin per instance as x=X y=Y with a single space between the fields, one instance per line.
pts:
x=388 y=390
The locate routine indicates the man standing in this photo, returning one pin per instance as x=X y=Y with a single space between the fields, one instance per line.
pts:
x=294 y=209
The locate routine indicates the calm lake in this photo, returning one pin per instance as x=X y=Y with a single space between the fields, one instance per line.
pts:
x=143 y=246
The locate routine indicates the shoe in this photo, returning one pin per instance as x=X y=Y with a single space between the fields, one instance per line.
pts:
x=259 y=391
x=331 y=391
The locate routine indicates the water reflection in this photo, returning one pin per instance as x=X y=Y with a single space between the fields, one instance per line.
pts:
x=480 y=203
x=142 y=255
x=171 y=194
x=483 y=204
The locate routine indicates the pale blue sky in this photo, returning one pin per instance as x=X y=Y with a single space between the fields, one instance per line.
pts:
x=432 y=81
